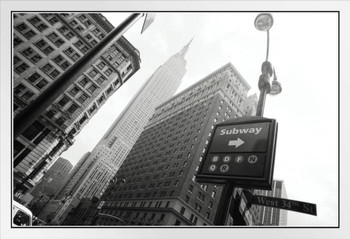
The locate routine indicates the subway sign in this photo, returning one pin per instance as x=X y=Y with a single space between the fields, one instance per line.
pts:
x=242 y=151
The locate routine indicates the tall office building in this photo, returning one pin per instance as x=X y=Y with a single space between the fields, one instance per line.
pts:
x=44 y=46
x=156 y=183
x=270 y=216
x=53 y=178
x=110 y=152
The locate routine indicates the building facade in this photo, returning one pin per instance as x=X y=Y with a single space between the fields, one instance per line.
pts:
x=105 y=159
x=53 y=179
x=270 y=216
x=84 y=214
x=158 y=176
x=44 y=46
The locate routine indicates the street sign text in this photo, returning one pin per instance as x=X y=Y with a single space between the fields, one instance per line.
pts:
x=303 y=207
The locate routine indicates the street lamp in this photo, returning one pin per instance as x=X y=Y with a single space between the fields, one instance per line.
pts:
x=228 y=202
x=263 y=22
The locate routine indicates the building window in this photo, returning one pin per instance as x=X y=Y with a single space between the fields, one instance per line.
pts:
x=71 y=53
x=93 y=42
x=36 y=22
x=31 y=55
x=72 y=108
x=33 y=130
x=92 y=89
x=16 y=60
x=101 y=65
x=83 y=119
x=100 y=80
x=54 y=74
x=73 y=23
x=93 y=73
x=108 y=72
x=82 y=17
x=25 y=30
x=83 y=82
x=60 y=120
x=61 y=61
x=82 y=98
x=63 y=101
x=66 y=32
x=109 y=90
x=21 y=68
x=182 y=211
x=96 y=31
x=50 y=18
x=47 y=68
x=22 y=92
x=37 y=80
x=92 y=109
x=55 y=39
x=50 y=70
x=88 y=37
x=81 y=46
x=51 y=113
x=16 y=41
x=43 y=46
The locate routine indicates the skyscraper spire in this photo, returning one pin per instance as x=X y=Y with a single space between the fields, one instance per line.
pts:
x=185 y=48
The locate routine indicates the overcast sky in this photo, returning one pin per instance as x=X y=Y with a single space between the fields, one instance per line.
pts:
x=304 y=51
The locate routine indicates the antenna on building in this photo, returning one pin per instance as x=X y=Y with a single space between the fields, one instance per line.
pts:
x=185 y=48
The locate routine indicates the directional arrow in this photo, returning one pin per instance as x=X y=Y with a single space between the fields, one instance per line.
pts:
x=238 y=142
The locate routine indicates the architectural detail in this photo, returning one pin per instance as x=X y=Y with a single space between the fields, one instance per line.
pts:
x=45 y=45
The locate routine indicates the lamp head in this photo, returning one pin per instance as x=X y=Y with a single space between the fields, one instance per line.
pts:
x=276 y=87
x=263 y=22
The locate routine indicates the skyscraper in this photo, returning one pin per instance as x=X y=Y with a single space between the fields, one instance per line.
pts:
x=110 y=152
x=53 y=178
x=44 y=46
x=158 y=176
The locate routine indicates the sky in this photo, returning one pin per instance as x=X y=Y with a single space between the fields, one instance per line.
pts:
x=305 y=57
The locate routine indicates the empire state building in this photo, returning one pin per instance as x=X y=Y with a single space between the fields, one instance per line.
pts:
x=91 y=175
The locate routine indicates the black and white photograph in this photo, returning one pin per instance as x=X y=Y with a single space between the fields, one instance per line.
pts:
x=147 y=119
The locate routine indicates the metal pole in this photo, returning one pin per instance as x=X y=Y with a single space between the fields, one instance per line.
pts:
x=261 y=102
x=37 y=107
x=224 y=204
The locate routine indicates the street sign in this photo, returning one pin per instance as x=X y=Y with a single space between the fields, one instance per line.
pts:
x=241 y=151
x=292 y=205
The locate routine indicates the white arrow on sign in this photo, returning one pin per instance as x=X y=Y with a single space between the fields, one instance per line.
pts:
x=238 y=142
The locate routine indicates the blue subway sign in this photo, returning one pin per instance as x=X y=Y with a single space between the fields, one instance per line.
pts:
x=241 y=150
